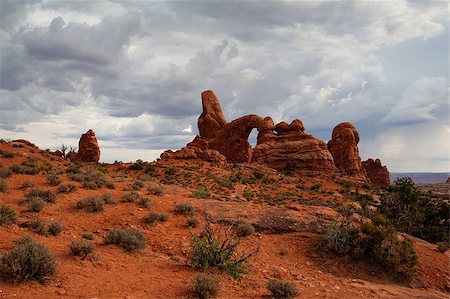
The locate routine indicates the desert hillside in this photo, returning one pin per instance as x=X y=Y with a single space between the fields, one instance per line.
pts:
x=287 y=210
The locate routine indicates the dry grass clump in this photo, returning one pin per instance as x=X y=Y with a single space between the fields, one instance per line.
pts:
x=155 y=217
x=131 y=197
x=92 y=204
x=129 y=239
x=28 y=260
x=244 y=229
x=3 y=185
x=66 y=188
x=7 y=215
x=45 y=195
x=184 y=209
x=281 y=289
x=80 y=248
x=155 y=190
x=205 y=286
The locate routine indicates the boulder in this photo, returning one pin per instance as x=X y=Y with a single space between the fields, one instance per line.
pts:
x=291 y=147
x=197 y=149
x=343 y=146
x=377 y=173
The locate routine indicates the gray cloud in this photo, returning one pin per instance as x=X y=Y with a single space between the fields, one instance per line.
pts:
x=139 y=67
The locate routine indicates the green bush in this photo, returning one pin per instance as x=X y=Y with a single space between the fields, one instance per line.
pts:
x=184 y=209
x=129 y=239
x=375 y=241
x=28 y=260
x=205 y=286
x=80 y=248
x=66 y=188
x=155 y=190
x=212 y=249
x=416 y=213
x=7 y=215
x=55 y=228
x=201 y=192
x=281 y=289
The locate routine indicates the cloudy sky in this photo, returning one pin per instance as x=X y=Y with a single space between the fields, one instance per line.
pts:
x=133 y=71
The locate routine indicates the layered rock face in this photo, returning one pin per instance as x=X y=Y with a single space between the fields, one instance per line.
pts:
x=292 y=147
x=343 y=146
x=377 y=173
x=197 y=149
x=88 y=149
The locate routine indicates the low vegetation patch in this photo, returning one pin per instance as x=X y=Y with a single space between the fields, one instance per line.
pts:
x=129 y=239
x=244 y=229
x=155 y=190
x=45 y=195
x=39 y=227
x=184 y=209
x=192 y=222
x=54 y=179
x=7 y=215
x=87 y=236
x=91 y=178
x=81 y=249
x=55 y=228
x=67 y=188
x=28 y=260
x=281 y=289
x=6 y=154
x=35 y=204
x=205 y=286
x=3 y=185
x=201 y=192
x=145 y=202
x=131 y=197
x=375 y=241
x=215 y=249
x=155 y=217
x=91 y=204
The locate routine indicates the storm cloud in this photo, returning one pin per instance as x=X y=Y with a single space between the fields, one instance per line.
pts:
x=134 y=70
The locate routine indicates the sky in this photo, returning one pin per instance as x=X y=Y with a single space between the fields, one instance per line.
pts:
x=133 y=71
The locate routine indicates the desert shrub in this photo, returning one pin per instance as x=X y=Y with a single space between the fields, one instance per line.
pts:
x=91 y=178
x=54 y=179
x=244 y=229
x=46 y=195
x=145 y=202
x=205 y=286
x=213 y=249
x=129 y=239
x=28 y=260
x=92 y=204
x=281 y=289
x=66 y=188
x=442 y=246
x=225 y=182
x=376 y=241
x=138 y=165
x=35 y=204
x=315 y=187
x=107 y=198
x=3 y=185
x=192 y=222
x=87 y=236
x=39 y=227
x=201 y=192
x=170 y=171
x=7 y=215
x=248 y=194
x=55 y=228
x=4 y=172
x=184 y=209
x=27 y=184
x=268 y=180
x=416 y=213
x=137 y=185
x=6 y=154
x=27 y=167
x=258 y=175
x=131 y=197
x=155 y=190
x=80 y=248
x=154 y=217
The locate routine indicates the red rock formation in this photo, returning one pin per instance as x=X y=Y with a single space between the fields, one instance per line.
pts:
x=378 y=174
x=211 y=120
x=88 y=149
x=448 y=180
x=343 y=147
x=197 y=149
x=291 y=147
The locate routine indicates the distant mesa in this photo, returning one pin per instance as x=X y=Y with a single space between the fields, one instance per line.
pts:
x=279 y=146
x=377 y=173
x=88 y=149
